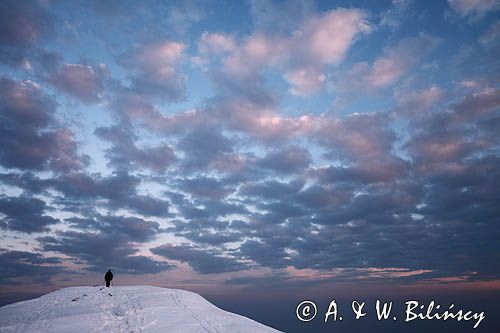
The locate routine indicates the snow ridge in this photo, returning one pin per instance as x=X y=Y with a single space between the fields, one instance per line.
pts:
x=134 y=309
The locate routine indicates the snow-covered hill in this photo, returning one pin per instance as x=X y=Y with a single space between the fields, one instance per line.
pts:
x=122 y=309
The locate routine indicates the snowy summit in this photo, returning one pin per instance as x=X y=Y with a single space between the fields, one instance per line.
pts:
x=122 y=309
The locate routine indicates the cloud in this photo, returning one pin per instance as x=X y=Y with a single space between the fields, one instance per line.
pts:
x=23 y=23
x=491 y=36
x=280 y=17
x=386 y=70
x=29 y=265
x=381 y=170
x=368 y=232
x=30 y=137
x=83 y=82
x=287 y=160
x=216 y=43
x=22 y=26
x=184 y=14
x=305 y=81
x=320 y=40
x=415 y=102
x=271 y=189
x=204 y=147
x=25 y=214
x=101 y=251
x=83 y=193
x=244 y=175
x=330 y=36
x=205 y=187
x=202 y=261
x=393 y=16
x=119 y=189
x=135 y=229
x=27 y=181
x=444 y=146
x=262 y=122
x=125 y=154
x=476 y=7
x=358 y=136
x=154 y=69
x=478 y=105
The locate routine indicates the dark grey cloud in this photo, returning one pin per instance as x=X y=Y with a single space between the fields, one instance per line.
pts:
x=22 y=25
x=23 y=22
x=125 y=154
x=30 y=136
x=205 y=237
x=204 y=147
x=28 y=181
x=101 y=251
x=205 y=187
x=29 y=265
x=271 y=189
x=134 y=228
x=81 y=192
x=119 y=189
x=265 y=254
x=201 y=260
x=200 y=208
x=25 y=214
x=287 y=160
x=366 y=172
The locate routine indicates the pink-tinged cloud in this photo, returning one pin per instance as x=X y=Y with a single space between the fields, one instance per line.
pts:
x=416 y=102
x=159 y=57
x=358 y=136
x=441 y=149
x=477 y=105
x=260 y=122
x=397 y=61
x=235 y=114
x=328 y=38
x=83 y=82
x=215 y=43
x=255 y=53
x=154 y=70
x=321 y=40
x=477 y=7
x=305 y=81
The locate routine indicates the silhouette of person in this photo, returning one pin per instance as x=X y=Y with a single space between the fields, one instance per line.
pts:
x=108 y=277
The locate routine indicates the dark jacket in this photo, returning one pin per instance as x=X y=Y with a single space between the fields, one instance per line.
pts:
x=108 y=276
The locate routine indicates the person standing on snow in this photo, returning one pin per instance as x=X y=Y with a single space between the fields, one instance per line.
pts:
x=108 y=277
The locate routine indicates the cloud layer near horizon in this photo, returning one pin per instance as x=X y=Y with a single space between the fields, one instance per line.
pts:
x=337 y=143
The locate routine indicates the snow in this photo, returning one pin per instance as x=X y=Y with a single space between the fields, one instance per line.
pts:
x=122 y=309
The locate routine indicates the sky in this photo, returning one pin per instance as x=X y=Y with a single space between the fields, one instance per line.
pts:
x=257 y=147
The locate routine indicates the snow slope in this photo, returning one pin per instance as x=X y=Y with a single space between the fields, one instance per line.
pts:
x=122 y=309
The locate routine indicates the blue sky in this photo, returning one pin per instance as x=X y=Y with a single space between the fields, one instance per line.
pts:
x=223 y=145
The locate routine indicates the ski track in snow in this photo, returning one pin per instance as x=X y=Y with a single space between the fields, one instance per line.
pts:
x=133 y=309
x=205 y=324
